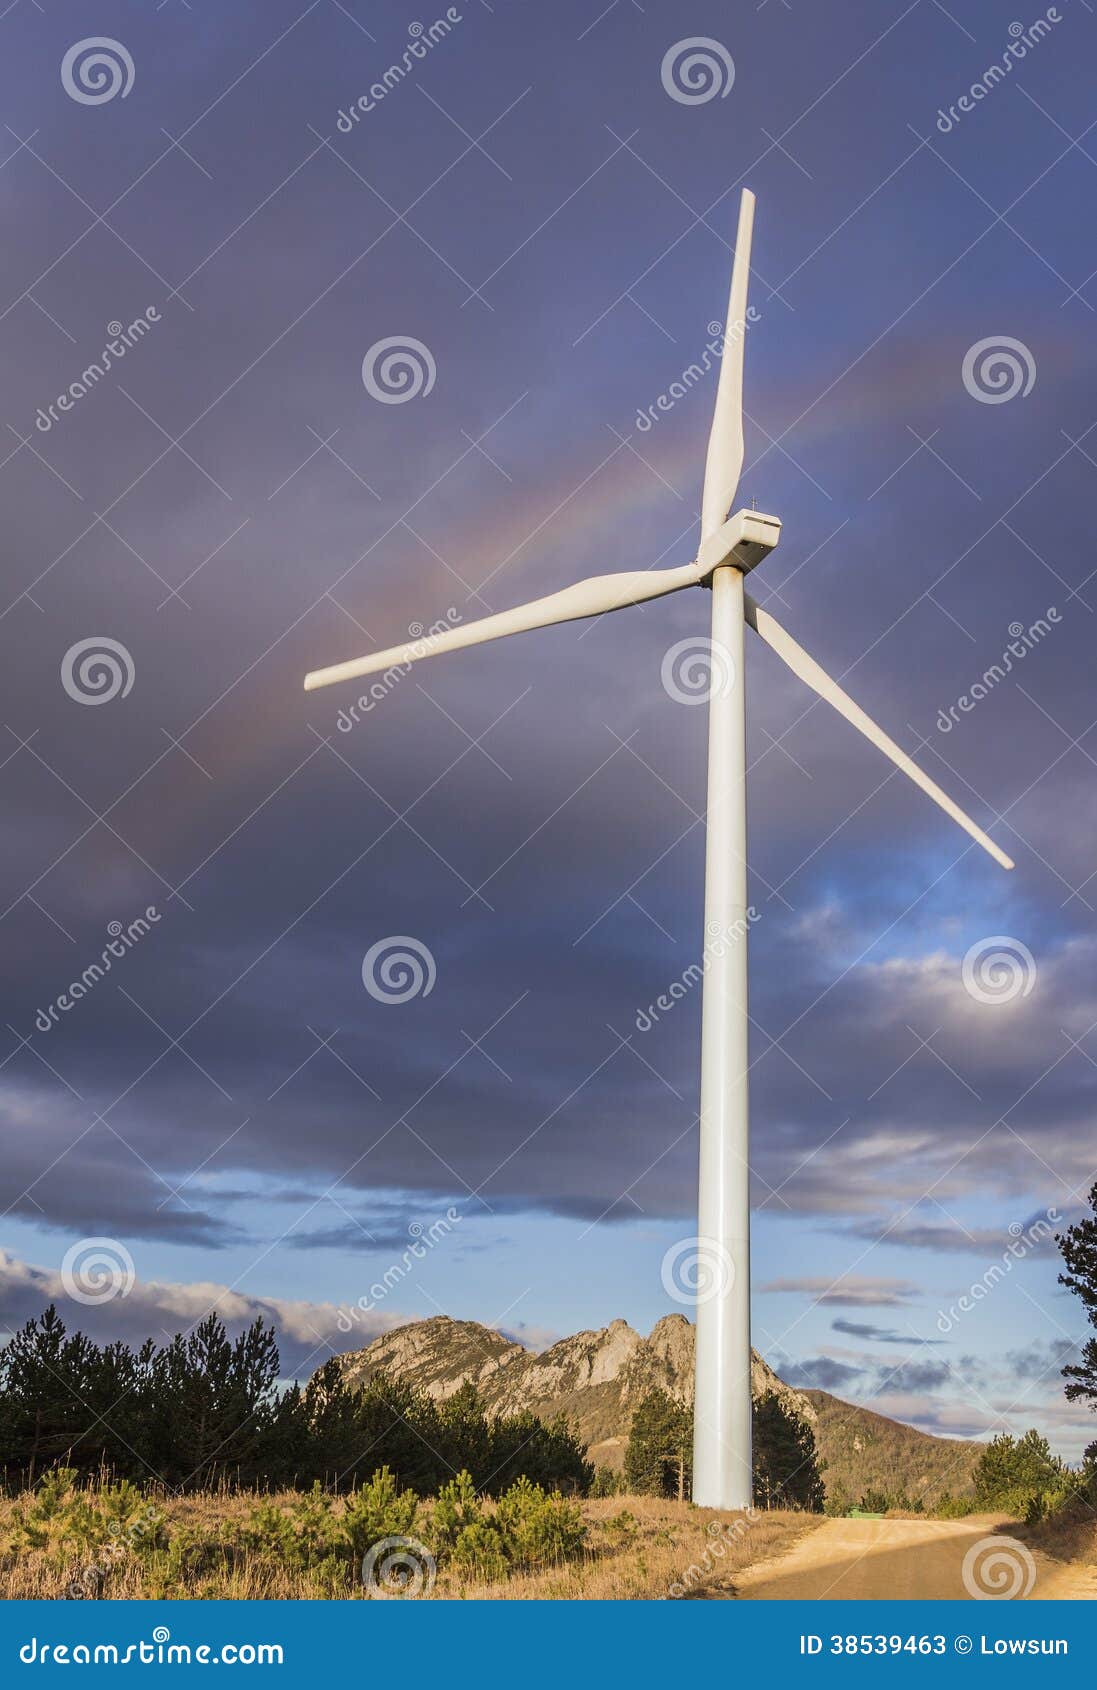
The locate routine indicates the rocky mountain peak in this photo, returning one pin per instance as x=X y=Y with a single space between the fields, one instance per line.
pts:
x=597 y=1378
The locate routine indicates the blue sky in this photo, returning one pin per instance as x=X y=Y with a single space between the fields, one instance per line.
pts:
x=231 y=506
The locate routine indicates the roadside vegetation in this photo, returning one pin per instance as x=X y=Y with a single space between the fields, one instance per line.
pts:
x=113 y=1541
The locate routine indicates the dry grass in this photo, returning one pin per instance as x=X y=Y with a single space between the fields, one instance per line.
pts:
x=638 y=1548
x=1070 y=1535
x=675 y=1550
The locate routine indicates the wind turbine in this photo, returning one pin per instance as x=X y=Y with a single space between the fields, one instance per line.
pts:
x=730 y=548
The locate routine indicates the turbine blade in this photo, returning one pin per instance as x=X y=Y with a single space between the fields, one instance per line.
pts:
x=725 y=442
x=819 y=681
x=593 y=597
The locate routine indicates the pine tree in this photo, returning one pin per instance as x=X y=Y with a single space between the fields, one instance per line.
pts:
x=659 y=1453
x=1010 y=1472
x=787 y=1473
x=1078 y=1246
x=45 y=1376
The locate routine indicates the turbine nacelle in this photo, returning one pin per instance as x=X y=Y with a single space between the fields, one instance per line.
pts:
x=743 y=541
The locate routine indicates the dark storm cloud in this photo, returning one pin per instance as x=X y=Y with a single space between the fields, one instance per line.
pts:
x=821 y=1373
x=878 y=1334
x=530 y=814
x=913 y=1376
x=852 y=1290
x=1042 y=1361
x=1035 y=1235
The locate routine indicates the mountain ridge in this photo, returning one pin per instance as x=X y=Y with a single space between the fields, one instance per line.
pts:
x=599 y=1377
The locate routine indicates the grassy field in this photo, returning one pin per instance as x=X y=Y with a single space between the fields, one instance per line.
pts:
x=1069 y=1536
x=634 y=1548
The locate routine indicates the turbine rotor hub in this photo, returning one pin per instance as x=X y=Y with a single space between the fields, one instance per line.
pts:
x=742 y=541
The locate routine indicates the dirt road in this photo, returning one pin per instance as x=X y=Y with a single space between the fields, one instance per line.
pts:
x=912 y=1559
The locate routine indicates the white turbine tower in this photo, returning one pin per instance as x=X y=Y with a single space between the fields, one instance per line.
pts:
x=730 y=547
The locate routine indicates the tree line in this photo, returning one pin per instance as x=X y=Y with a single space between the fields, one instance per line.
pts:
x=659 y=1454
x=204 y=1411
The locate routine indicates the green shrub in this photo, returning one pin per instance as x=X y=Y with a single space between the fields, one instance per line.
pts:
x=1012 y=1472
x=606 y=1482
x=457 y=1508
x=378 y=1510
x=536 y=1528
x=621 y=1528
x=87 y=1533
x=874 y=1502
x=951 y=1507
x=479 y=1551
